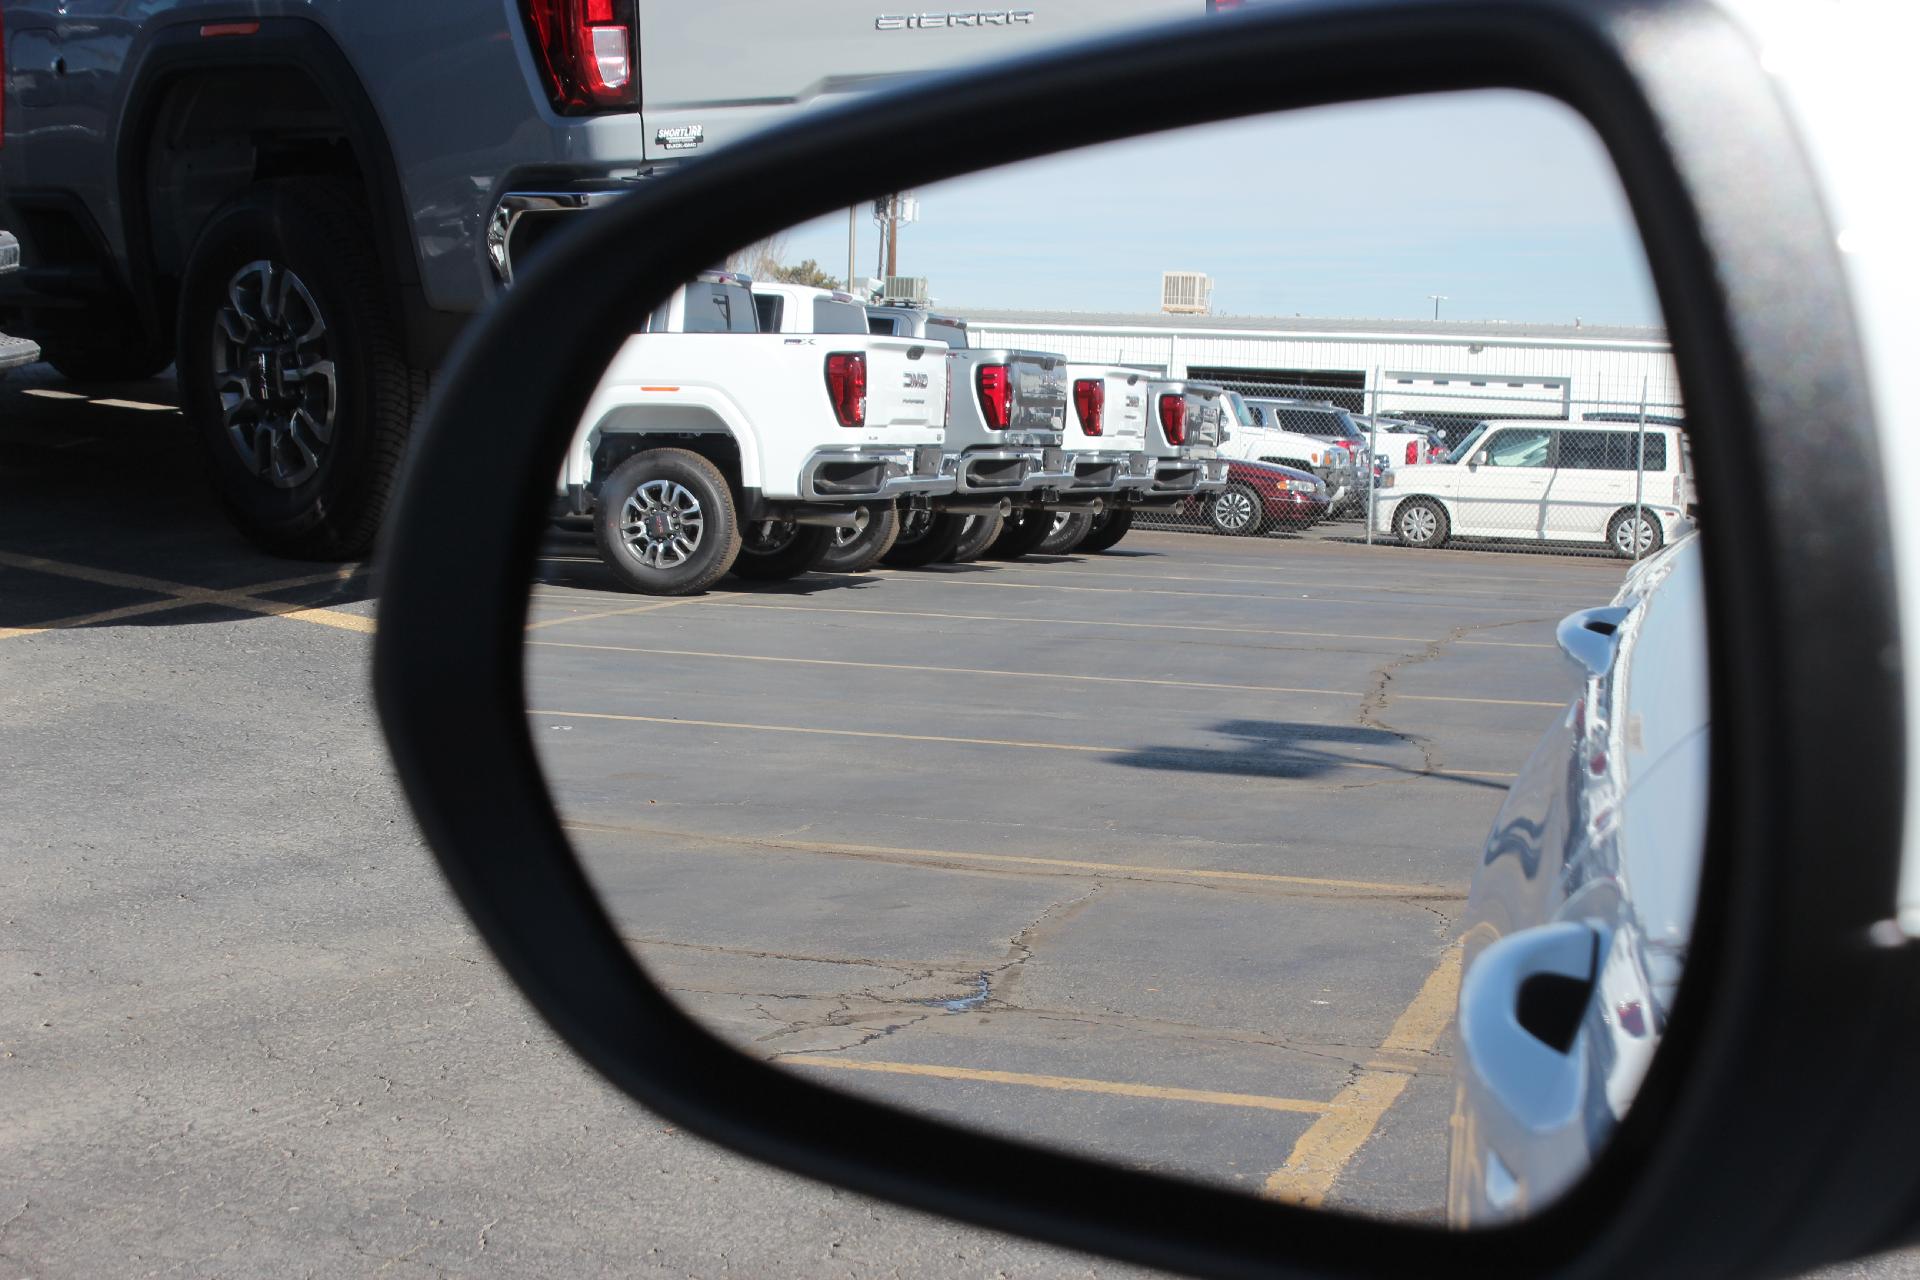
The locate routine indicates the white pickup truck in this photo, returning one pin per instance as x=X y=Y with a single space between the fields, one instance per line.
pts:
x=805 y=309
x=1108 y=416
x=1136 y=443
x=1005 y=420
x=710 y=446
x=14 y=352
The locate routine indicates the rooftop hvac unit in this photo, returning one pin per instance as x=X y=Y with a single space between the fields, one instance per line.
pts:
x=1186 y=293
x=906 y=291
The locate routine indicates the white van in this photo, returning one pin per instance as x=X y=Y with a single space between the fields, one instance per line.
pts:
x=1545 y=481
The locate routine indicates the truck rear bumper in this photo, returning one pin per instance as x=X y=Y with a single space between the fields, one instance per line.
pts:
x=15 y=352
x=533 y=213
x=874 y=474
x=1185 y=475
x=1105 y=470
x=1019 y=470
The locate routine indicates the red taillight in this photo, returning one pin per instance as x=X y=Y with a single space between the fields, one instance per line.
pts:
x=1413 y=452
x=996 y=396
x=1173 y=417
x=1090 y=401
x=585 y=52
x=847 y=387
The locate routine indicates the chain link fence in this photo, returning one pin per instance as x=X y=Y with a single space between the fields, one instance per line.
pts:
x=1521 y=466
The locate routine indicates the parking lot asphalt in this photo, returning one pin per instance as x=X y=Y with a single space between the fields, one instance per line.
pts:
x=1156 y=854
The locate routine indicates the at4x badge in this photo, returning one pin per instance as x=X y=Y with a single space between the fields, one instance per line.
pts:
x=679 y=137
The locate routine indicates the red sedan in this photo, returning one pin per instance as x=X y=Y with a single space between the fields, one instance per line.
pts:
x=1260 y=496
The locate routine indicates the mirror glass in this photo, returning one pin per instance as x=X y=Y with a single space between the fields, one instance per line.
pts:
x=1034 y=651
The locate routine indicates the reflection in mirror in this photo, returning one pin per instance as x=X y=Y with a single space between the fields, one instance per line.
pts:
x=1020 y=651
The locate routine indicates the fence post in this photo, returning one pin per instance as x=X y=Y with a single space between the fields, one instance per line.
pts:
x=1373 y=447
x=1640 y=470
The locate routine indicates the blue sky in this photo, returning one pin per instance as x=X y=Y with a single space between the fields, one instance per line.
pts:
x=1503 y=201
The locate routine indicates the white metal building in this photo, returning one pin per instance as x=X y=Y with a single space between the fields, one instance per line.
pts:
x=1445 y=368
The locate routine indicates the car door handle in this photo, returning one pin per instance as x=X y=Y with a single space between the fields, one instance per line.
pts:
x=1521 y=1007
x=1590 y=636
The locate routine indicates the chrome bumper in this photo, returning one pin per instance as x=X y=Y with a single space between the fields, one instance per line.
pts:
x=1183 y=475
x=1104 y=470
x=875 y=474
x=515 y=205
x=1010 y=470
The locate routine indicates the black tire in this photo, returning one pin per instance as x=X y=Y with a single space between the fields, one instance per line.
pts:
x=1068 y=528
x=976 y=537
x=1235 y=511
x=861 y=551
x=775 y=550
x=1105 y=530
x=1620 y=538
x=1426 y=530
x=926 y=537
x=297 y=490
x=713 y=551
x=1021 y=534
x=83 y=362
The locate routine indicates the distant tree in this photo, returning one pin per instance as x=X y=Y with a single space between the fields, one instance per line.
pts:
x=763 y=261
x=808 y=272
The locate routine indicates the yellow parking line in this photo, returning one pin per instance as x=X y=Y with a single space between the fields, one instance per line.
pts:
x=146 y=405
x=733 y=603
x=1122 y=575
x=1323 y=1151
x=1022 y=675
x=986 y=579
x=611 y=613
x=970 y=742
x=1070 y=1084
x=47 y=393
x=183 y=594
x=1116 y=870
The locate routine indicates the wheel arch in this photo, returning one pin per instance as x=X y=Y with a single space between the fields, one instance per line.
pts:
x=632 y=429
x=1446 y=507
x=206 y=117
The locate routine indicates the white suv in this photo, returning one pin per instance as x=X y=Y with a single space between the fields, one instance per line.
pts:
x=1546 y=481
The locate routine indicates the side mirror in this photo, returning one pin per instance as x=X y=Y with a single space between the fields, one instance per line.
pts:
x=1749 y=1139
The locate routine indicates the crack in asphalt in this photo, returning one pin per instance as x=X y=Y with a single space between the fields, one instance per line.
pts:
x=1379 y=693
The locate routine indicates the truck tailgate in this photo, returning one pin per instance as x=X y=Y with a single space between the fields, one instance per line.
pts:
x=710 y=72
x=906 y=382
x=1206 y=415
x=1126 y=411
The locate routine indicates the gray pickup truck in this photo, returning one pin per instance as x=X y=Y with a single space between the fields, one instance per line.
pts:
x=300 y=202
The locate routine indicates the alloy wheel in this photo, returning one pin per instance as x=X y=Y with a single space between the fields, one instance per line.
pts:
x=1233 y=510
x=661 y=522
x=274 y=372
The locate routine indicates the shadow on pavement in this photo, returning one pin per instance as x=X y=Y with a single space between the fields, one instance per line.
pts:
x=1287 y=749
x=107 y=520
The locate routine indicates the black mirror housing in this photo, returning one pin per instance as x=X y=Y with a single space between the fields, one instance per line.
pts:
x=1750 y=1145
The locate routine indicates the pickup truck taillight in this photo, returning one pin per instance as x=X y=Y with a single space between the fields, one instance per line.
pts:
x=996 y=396
x=1173 y=417
x=1089 y=401
x=584 y=49
x=847 y=387
x=1413 y=452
